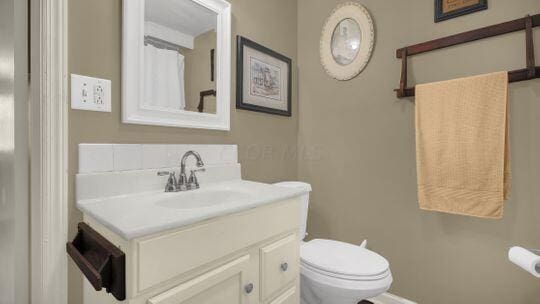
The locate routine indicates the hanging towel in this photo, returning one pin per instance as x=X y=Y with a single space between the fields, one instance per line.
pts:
x=462 y=145
x=163 y=78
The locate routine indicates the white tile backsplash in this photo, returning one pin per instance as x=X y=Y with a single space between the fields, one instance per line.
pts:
x=127 y=157
x=106 y=184
x=229 y=154
x=209 y=154
x=95 y=158
x=175 y=154
x=155 y=156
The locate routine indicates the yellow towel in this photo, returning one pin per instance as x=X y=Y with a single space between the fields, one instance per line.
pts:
x=462 y=151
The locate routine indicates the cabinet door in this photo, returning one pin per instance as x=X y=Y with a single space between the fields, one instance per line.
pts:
x=279 y=266
x=225 y=284
x=288 y=297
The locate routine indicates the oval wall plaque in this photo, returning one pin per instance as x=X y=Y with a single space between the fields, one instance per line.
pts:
x=347 y=41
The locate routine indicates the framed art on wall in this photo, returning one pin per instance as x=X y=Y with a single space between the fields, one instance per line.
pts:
x=447 y=9
x=347 y=41
x=263 y=79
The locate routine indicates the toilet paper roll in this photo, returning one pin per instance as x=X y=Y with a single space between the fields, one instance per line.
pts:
x=525 y=259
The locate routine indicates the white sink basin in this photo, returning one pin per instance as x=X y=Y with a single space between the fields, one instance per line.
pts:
x=202 y=198
x=140 y=214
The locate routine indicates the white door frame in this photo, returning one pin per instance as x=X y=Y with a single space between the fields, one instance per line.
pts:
x=49 y=151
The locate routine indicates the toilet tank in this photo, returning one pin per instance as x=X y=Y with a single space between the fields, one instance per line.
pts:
x=306 y=188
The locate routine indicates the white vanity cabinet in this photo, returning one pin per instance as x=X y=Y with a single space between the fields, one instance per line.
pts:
x=220 y=285
x=251 y=256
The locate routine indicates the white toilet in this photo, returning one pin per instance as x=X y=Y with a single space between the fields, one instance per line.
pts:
x=334 y=272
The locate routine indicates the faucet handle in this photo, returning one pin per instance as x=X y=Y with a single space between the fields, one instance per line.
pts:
x=192 y=175
x=192 y=181
x=172 y=183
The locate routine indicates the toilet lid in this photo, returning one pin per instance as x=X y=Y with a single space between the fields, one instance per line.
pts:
x=342 y=258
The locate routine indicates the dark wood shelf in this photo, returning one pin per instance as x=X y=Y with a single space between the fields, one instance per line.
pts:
x=527 y=23
x=513 y=76
x=101 y=262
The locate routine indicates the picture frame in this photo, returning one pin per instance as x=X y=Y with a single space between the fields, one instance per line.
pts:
x=347 y=41
x=263 y=79
x=448 y=9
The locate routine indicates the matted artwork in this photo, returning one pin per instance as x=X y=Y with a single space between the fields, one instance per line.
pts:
x=263 y=79
x=447 y=9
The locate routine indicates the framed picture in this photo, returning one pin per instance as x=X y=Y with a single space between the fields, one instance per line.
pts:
x=447 y=9
x=263 y=79
x=347 y=41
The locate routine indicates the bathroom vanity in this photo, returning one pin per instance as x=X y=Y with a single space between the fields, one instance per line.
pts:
x=231 y=241
x=245 y=257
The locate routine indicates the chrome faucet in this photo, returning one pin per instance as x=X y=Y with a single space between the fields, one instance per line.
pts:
x=171 y=181
x=184 y=183
x=192 y=183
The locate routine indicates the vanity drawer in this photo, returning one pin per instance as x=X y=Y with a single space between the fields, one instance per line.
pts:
x=279 y=265
x=221 y=285
x=173 y=254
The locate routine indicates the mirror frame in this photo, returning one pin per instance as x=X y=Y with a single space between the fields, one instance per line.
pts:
x=133 y=72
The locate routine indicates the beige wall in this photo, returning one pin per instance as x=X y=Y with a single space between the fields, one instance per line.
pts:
x=357 y=139
x=364 y=181
x=265 y=141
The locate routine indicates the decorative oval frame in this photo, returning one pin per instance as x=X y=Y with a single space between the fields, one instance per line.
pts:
x=361 y=15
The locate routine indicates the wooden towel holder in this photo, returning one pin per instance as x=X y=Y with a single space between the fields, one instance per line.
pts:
x=527 y=23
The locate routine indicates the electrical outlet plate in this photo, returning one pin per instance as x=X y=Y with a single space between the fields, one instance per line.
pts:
x=91 y=94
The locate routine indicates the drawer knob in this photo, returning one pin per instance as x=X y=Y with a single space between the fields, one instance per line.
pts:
x=284 y=266
x=248 y=288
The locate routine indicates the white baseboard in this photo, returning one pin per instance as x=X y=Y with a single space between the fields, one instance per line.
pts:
x=388 y=298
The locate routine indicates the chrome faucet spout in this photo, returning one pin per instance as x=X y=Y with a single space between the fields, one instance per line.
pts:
x=197 y=156
x=184 y=183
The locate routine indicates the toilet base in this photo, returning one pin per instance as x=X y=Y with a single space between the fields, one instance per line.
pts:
x=361 y=302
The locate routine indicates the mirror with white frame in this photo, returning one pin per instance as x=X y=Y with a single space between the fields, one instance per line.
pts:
x=176 y=63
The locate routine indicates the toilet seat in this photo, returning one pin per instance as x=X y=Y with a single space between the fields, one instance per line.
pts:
x=343 y=261
x=328 y=274
x=337 y=272
x=334 y=272
x=345 y=285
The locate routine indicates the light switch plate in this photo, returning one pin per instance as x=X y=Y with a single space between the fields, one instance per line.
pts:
x=91 y=94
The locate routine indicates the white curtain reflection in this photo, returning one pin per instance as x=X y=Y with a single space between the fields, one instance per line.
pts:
x=164 y=78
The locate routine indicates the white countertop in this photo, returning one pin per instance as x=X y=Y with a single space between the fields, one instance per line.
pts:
x=141 y=214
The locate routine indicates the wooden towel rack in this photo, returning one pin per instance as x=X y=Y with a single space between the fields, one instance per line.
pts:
x=527 y=23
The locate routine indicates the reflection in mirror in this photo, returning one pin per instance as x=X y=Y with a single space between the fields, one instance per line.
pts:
x=346 y=41
x=180 y=42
